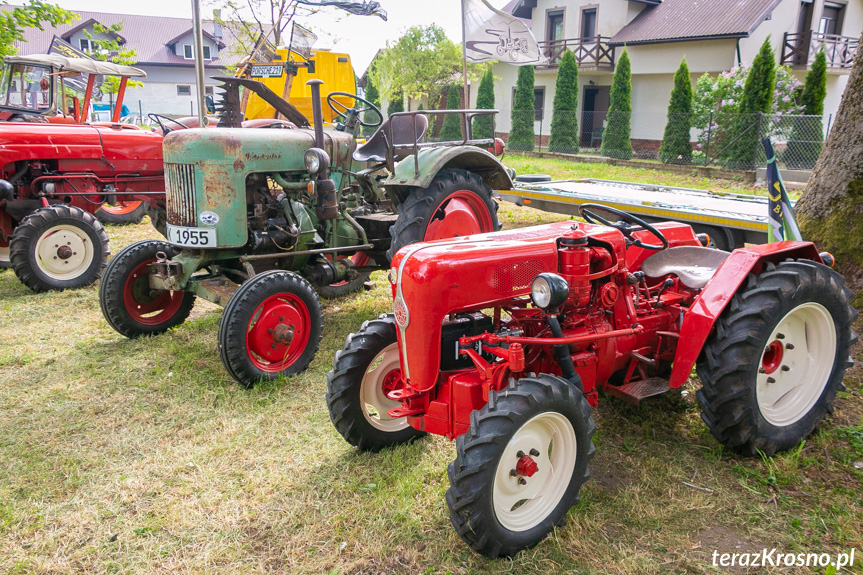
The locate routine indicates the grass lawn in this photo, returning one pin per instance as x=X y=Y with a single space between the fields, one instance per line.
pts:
x=120 y=456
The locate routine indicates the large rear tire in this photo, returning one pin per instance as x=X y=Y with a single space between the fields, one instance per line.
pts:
x=122 y=213
x=457 y=203
x=128 y=303
x=271 y=327
x=363 y=372
x=58 y=247
x=771 y=369
x=521 y=465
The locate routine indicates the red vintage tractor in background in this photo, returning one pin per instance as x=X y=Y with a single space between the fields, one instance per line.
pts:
x=503 y=341
x=56 y=170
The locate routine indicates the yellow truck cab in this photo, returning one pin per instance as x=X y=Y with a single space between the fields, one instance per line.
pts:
x=333 y=68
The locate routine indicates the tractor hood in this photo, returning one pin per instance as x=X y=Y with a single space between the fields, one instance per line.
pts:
x=433 y=279
x=29 y=141
x=247 y=151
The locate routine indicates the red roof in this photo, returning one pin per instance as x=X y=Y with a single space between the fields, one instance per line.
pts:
x=149 y=35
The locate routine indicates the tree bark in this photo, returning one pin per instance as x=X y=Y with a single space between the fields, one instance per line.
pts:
x=830 y=211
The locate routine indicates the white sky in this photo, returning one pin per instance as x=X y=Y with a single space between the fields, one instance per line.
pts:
x=359 y=36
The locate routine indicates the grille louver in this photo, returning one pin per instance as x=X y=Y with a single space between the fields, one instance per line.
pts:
x=180 y=194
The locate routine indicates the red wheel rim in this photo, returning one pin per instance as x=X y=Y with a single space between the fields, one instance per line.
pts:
x=121 y=208
x=142 y=304
x=278 y=332
x=772 y=358
x=461 y=213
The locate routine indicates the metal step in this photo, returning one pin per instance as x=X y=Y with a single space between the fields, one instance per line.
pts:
x=635 y=391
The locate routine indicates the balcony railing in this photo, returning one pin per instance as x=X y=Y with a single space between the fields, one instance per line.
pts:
x=800 y=49
x=593 y=52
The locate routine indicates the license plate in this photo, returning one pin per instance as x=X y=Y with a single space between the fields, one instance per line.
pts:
x=271 y=71
x=192 y=237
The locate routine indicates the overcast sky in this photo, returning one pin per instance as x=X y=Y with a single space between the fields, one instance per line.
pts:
x=359 y=36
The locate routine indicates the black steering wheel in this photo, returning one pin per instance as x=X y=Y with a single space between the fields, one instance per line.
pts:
x=627 y=224
x=165 y=131
x=341 y=110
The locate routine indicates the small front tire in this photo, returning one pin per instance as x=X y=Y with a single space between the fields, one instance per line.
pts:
x=362 y=373
x=521 y=465
x=271 y=327
x=123 y=213
x=128 y=303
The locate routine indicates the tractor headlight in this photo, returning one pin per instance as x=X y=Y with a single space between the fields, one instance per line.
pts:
x=315 y=160
x=549 y=291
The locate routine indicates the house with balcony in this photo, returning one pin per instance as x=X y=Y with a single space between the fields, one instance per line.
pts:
x=713 y=35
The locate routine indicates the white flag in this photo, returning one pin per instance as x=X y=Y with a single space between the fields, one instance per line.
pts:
x=494 y=35
x=302 y=41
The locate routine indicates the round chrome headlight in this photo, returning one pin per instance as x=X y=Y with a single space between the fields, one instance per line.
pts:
x=315 y=159
x=549 y=291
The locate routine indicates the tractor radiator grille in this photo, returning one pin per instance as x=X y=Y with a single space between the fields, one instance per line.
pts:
x=180 y=190
x=515 y=277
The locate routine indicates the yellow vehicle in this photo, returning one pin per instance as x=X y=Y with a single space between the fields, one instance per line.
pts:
x=333 y=68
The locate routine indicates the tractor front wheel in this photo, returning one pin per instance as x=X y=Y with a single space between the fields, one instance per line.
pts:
x=271 y=327
x=58 y=247
x=128 y=302
x=521 y=465
x=771 y=369
x=363 y=372
x=122 y=213
x=457 y=203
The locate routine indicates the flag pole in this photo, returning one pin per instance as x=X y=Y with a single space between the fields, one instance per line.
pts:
x=464 y=57
x=199 y=63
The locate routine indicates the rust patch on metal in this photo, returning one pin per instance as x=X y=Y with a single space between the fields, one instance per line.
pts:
x=239 y=165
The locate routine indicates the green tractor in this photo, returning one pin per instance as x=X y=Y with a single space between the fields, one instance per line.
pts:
x=263 y=222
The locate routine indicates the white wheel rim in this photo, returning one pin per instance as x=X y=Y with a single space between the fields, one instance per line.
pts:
x=522 y=503
x=796 y=364
x=375 y=403
x=64 y=252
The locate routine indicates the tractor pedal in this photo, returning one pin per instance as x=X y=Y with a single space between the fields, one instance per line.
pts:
x=636 y=391
x=399 y=412
x=402 y=394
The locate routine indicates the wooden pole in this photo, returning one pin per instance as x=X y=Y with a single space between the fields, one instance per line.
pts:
x=464 y=57
x=199 y=63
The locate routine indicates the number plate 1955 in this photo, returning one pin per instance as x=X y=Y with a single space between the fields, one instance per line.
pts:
x=192 y=237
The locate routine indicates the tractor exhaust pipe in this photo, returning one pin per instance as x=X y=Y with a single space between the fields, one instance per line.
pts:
x=317 y=111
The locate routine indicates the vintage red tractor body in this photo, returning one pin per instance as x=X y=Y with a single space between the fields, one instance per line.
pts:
x=504 y=341
x=57 y=170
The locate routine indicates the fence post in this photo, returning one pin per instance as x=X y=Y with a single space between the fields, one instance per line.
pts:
x=709 y=133
x=758 y=136
x=829 y=123
x=541 y=116
x=140 y=112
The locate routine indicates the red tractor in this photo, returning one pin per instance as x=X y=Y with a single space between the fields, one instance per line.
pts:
x=504 y=340
x=56 y=170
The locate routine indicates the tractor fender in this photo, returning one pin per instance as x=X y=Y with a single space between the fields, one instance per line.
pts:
x=698 y=322
x=433 y=160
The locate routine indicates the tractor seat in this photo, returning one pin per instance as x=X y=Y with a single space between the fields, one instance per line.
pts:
x=693 y=265
x=375 y=149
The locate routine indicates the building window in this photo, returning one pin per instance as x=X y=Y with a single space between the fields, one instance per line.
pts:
x=207 y=53
x=184 y=90
x=208 y=90
x=588 y=23
x=86 y=44
x=831 y=18
x=187 y=52
x=538 y=103
x=554 y=29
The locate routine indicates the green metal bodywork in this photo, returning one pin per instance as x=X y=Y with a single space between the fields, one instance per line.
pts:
x=223 y=159
x=430 y=161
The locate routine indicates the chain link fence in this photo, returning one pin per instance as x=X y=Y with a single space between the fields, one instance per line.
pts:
x=726 y=140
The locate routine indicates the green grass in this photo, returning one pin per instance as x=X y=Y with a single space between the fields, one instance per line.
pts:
x=120 y=456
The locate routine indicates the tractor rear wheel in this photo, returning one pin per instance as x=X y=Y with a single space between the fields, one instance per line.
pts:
x=128 y=303
x=271 y=327
x=363 y=372
x=122 y=213
x=457 y=203
x=58 y=247
x=771 y=369
x=521 y=465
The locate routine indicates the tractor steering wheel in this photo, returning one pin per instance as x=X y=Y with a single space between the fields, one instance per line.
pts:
x=165 y=131
x=627 y=224
x=341 y=110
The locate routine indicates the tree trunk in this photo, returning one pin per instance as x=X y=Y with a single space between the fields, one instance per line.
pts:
x=830 y=211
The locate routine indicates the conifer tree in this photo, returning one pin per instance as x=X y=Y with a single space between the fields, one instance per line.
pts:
x=521 y=136
x=484 y=101
x=675 y=148
x=564 y=118
x=807 y=140
x=757 y=99
x=616 y=142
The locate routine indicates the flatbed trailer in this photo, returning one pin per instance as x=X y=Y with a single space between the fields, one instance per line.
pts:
x=731 y=220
